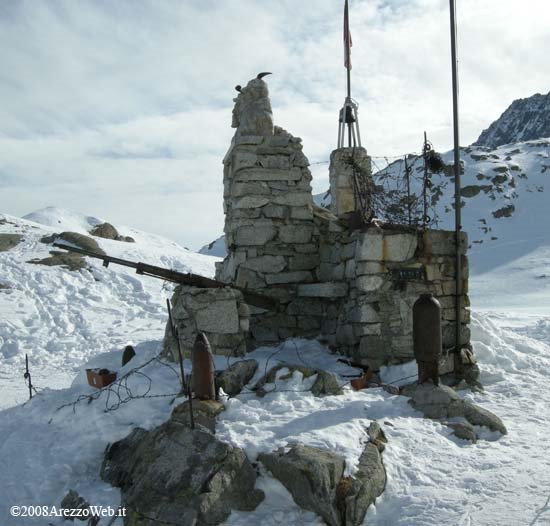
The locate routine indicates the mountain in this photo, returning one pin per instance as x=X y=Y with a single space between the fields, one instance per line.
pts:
x=524 y=120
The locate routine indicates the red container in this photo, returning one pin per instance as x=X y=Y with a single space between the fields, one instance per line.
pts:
x=363 y=381
x=100 y=377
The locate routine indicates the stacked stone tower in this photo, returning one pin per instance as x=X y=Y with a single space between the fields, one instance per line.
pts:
x=271 y=239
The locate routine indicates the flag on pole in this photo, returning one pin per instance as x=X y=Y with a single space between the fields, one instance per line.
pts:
x=347 y=38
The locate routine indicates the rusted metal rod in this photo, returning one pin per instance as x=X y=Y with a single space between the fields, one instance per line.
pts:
x=193 y=280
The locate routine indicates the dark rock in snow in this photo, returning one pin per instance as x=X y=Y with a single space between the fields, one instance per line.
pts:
x=177 y=475
x=443 y=402
x=311 y=475
x=236 y=376
x=8 y=241
x=105 y=230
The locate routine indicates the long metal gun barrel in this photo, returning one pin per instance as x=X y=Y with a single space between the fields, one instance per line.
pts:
x=193 y=280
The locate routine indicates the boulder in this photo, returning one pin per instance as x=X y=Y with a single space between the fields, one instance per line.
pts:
x=236 y=376
x=66 y=260
x=204 y=413
x=105 y=230
x=311 y=475
x=177 y=475
x=361 y=491
x=8 y=241
x=463 y=430
x=74 y=238
x=443 y=402
x=315 y=479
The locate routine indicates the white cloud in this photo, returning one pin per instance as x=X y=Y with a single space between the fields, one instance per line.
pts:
x=122 y=109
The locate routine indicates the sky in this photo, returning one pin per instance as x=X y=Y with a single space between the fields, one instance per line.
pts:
x=122 y=109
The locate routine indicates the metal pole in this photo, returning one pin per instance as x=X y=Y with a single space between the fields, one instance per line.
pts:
x=425 y=182
x=458 y=219
x=27 y=376
x=408 y=175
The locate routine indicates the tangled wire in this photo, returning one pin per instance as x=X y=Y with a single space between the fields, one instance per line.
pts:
x=119 y=392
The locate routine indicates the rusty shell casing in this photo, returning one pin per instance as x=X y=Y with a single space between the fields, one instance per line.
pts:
x=427 y=342
x=203 y=369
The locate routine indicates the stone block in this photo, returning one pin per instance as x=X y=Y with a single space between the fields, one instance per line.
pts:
x=399 y=247
x=263 y=174
x=220 y=316
x=250 y=201
x=301 y=212
x=304 y=262
x=367 y=313
x=249 y=279
x=369 y=267
x=294 y=199
x=278 y=162
x=369 y=283
x=243 y=159
x=288 y=277
x=442 y=242
x=273 y=211
x=265 y=264
x=370 y=246
x=298 y=233
x=323 y=290
x=254 y=235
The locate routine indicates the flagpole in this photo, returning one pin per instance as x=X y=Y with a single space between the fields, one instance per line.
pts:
x=458 y=218
x=348 y=62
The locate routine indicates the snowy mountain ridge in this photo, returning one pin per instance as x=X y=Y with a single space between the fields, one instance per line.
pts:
x=524 y=120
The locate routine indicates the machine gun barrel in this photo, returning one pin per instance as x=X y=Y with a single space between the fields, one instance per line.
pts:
x=193 y=280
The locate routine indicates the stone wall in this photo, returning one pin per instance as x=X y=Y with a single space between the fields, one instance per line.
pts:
x=386 y=270
x=220 y=313
x=353 y=288
x=341 y=175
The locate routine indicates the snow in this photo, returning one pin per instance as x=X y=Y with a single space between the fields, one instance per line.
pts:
x=60 y=318
x=67 y=321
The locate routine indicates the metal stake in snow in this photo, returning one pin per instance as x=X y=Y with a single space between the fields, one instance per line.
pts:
x=27 y=376
x=458 y=219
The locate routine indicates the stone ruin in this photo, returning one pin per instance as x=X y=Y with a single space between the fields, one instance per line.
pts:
x=353 y=288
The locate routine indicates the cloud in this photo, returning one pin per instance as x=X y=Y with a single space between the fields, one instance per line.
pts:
x=122 y=109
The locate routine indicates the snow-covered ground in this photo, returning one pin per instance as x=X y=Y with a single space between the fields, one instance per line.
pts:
x=61 y=318
x=64 y=320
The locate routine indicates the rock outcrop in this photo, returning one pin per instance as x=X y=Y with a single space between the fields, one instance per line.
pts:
x=524 y=120
x=315 y=479
x=177 y=475
x=441 y=402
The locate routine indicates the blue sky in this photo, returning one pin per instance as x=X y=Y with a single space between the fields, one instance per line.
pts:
x=122 y=109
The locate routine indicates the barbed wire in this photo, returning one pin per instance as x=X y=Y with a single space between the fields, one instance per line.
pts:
x=121 y=391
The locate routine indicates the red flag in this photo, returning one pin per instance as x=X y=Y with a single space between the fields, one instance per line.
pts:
x=347 y=38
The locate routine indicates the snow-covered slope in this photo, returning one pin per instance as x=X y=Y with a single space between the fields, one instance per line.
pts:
x=62 y=318
x=524 y=120
x=505 y=210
